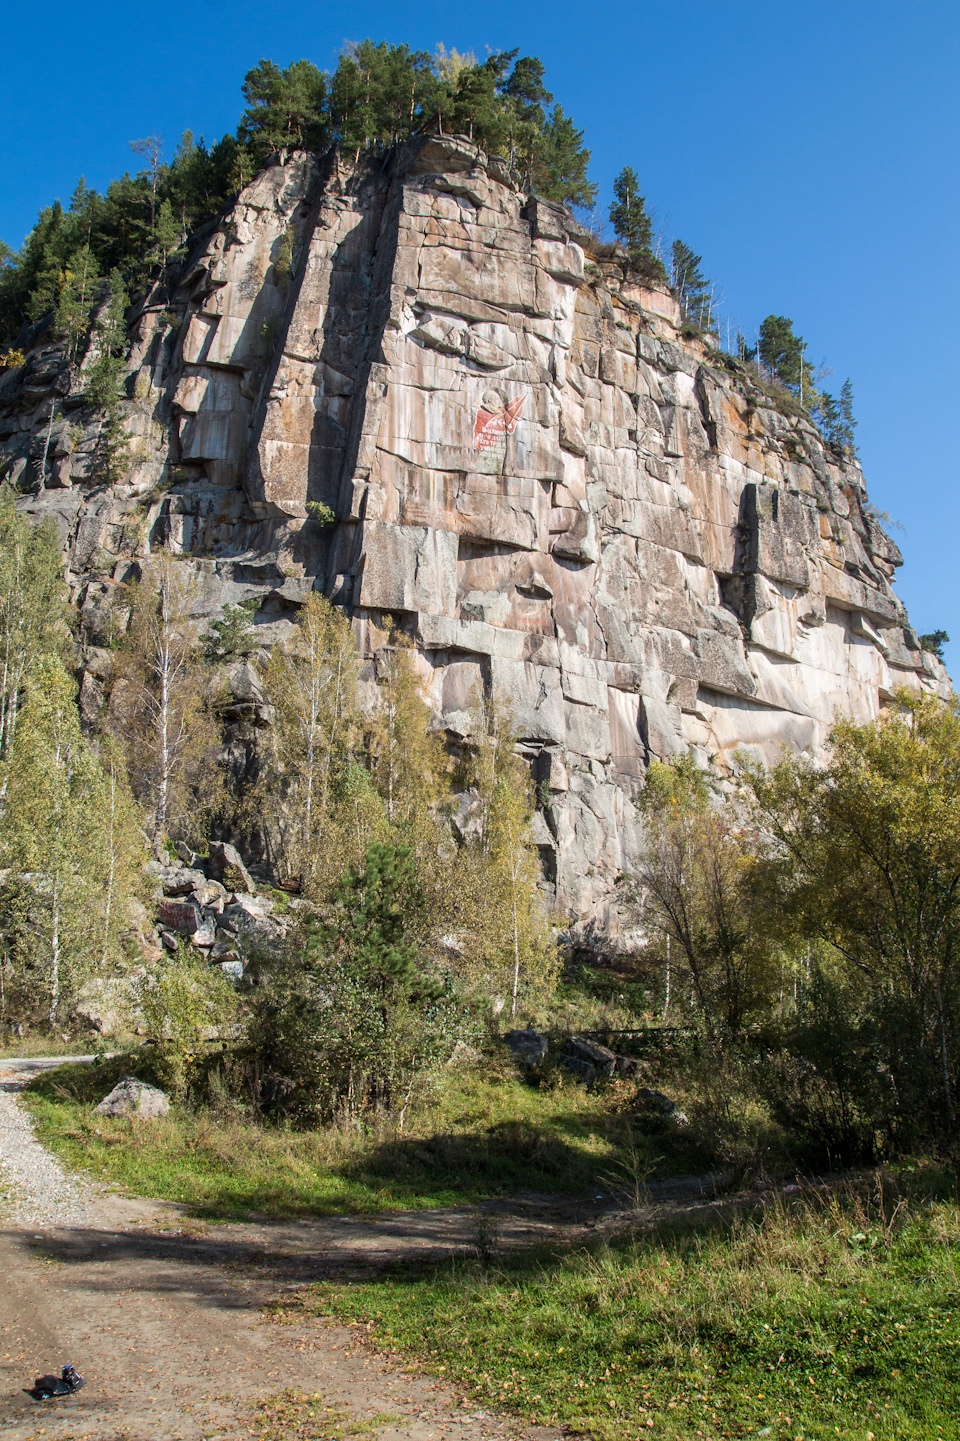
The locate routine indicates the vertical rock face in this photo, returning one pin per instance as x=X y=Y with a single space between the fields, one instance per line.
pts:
x=608 y=527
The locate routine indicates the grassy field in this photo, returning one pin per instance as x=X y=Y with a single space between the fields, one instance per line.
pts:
x=829 y=1315
x=481 y=1133
x=834 y=1312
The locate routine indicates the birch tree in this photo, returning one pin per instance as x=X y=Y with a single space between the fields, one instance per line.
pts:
x=867 y=864
x=162 y=708
x=313 y=685
x=692 y=893
x=499 y=870
x=69 y=839
x=31 y=607
x=407 y=758
x=517 y=917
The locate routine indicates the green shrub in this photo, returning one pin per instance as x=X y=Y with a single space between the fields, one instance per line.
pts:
x=185 y=1002
x=355 y=1022
x=283 y=265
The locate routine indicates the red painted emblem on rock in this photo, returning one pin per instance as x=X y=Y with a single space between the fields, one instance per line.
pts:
x=496 y=419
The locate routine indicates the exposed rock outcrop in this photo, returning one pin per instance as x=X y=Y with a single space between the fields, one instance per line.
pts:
x=534 y=474
x=131 y=1097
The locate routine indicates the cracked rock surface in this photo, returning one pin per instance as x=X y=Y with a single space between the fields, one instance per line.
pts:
x=555 y=492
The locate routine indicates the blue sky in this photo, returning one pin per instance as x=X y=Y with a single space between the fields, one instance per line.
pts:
x=807 y=150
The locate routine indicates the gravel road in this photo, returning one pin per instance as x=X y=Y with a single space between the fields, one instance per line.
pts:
x=35 y=1191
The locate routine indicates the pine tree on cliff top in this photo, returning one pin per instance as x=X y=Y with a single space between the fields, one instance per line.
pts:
x=562 y=161
x=847 y=424
x=631 y=223
x=779 y=349
x=284 y=107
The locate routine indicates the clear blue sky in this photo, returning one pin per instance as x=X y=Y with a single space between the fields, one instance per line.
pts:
x=808 y=150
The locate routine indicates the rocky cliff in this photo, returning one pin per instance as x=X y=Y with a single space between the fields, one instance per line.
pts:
x=610 y=527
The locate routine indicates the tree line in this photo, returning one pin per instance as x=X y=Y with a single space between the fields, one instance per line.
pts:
x=811 y=928
x=377 y=96
x=349 y=795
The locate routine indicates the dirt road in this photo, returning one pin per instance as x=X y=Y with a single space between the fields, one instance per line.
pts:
x=173 y=1348
x=166 y=1317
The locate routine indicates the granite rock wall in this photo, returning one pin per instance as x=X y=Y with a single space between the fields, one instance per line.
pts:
x=565 y=502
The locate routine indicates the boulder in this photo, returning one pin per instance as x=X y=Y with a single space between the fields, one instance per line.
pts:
x=206 y=933
x=582 y=1069
x=579 y=1054
x=185 y=917
x=256 y=907
x=106 y=1003
x=224 y=951
x=243 y=923
x=464 y=1055
x=224 y=865
x=134 y=1098
x=627 y=1066
x=661 y=1106
x=181 y=881
x=210 y=894
x=529 y=1047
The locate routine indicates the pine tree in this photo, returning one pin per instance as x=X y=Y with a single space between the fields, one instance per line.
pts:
x=779 y=350
x=689 y=285
x=847 y=425
x=934 y=641
x=284 y=108
x=189 y=186
x=476 y=108
x=382 y=93
x=166 y=234
x=828 y=418
x=77 y=292
x=105 y=383
x=364 y=1012
x=631 y=223
x=376 y=923
x=230 y=634
x=561 y=161
x=42 y=260
x=526 y=89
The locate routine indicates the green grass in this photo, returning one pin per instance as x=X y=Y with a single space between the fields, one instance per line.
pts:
x=45 y=1045
x=836 y=1316
x=482 y=1133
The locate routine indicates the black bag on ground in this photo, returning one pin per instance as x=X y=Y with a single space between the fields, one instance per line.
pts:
x=48 y=1388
